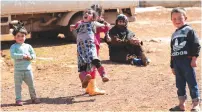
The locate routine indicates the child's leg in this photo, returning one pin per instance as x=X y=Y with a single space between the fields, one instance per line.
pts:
x=93 y=73
x=85 y=78
x=82 y=75
x=100 y=69
x=138 y=51
x=181 y=86
x=18 y=78
x=190 y=77
x=28 y=78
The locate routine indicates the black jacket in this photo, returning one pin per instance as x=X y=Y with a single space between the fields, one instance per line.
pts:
x=184 y=42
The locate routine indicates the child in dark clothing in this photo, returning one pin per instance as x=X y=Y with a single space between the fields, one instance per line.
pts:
x=123 y=46
x=185 y=49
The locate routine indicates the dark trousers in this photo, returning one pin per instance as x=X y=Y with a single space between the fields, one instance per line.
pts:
x=185 y=73
x=119 y=52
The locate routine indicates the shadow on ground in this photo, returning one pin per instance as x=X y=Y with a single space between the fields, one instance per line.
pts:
x=60 y=100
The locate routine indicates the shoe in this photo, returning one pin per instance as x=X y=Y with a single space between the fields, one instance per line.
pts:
x=196 y=106
x=86 y=80
x=93 y=89
x=176 y=108
x=195 y=109
x=137 y=62
x=144 y=59
x=36 y=101
x=105 y=78
x=19 y=103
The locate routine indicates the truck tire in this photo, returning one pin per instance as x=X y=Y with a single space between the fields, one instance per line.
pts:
x=71 y=36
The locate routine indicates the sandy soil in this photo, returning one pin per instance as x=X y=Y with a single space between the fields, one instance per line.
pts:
x=130 y=88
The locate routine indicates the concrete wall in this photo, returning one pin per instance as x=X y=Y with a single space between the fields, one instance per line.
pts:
x=170 y=3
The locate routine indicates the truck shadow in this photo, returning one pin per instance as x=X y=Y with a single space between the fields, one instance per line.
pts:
x=38 y=42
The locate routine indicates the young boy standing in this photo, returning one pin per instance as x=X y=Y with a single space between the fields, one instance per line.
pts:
x=185 y=49
x=22 y=54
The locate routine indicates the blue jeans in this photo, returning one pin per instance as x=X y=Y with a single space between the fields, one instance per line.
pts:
x=27 y=77
x=185 y=73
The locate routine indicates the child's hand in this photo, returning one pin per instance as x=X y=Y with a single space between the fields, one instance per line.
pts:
x=100 y=19
x=72 y=27
x=173 y=71
x=118 y=40
x=135 y=41
x=25 y=56
x=108 y=39
x=29 y=57
x=193 y=62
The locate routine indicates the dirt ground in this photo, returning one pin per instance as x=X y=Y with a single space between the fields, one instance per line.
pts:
x=130 y=88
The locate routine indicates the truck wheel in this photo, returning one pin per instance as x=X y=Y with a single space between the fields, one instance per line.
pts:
x=71 y=36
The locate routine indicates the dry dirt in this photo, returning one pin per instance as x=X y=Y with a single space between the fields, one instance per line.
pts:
x=130 y=88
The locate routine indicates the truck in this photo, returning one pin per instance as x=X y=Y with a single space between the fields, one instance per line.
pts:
x=48 y=18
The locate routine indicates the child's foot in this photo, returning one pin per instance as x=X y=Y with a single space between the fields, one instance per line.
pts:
x=177 y=108
x=36 y=101
x=19 y=103
x=196 y=107
x=105 y=78
x=144 y=59
x=86 y=80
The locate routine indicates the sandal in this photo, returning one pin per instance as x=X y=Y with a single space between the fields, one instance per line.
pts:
x=195 y=110
x=176 y=108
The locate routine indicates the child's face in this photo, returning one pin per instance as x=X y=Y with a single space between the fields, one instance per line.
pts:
x=178 y=19
x=121 y=22
x=20 y=38
x=88 y=16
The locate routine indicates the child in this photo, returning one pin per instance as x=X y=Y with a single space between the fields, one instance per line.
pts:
x=123 y=46
x=98 y=9
x=22 y=54
x=86 y=49
x=185 y=49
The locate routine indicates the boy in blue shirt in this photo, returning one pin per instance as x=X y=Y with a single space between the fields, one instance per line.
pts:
x=22 y=54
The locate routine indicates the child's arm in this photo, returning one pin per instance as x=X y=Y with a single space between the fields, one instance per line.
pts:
x=15 y=55
x=195 y=47
x=113 y=36
x=97 y=24
x=32 y=53
x=194 y=43
x=133 y=39
x=74 y=27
